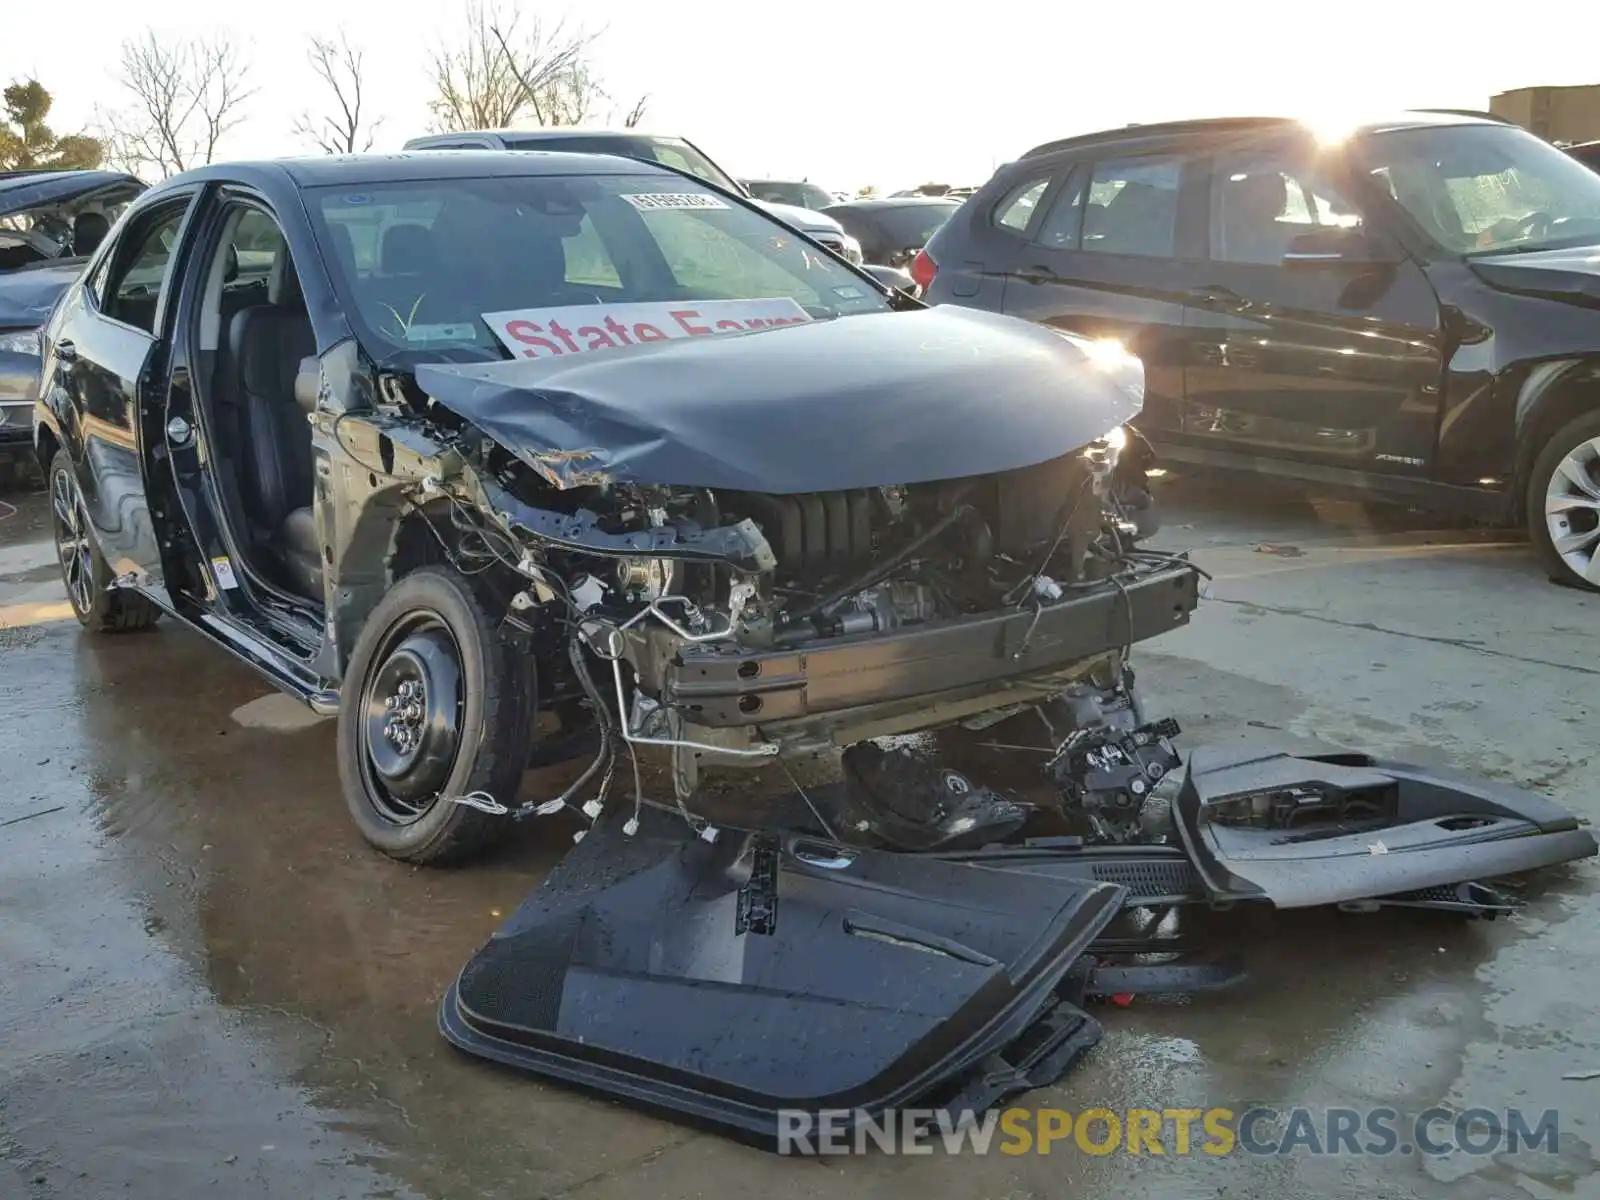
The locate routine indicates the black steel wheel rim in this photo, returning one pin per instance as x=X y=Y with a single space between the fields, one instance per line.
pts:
x=410 y=720
x=73 y=550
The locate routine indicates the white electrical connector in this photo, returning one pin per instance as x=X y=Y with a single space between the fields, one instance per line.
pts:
x=630 y=826
x=592 y=809
x=578 y=837
x=709 y=833
x=549 y=808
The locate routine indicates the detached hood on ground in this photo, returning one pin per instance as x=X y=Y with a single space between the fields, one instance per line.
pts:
x=28 y=295
x=18 y=193
x=855 y=402
x=1572 y=274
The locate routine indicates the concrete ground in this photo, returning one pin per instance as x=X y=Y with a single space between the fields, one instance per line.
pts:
x=211 y=988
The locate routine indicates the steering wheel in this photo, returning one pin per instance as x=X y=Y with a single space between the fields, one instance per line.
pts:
x=1533 y=225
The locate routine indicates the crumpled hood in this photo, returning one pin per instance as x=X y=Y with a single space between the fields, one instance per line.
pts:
x=800 y=218
x=33 y=189
x=28 y=295
x=1572 y=274
x=856 y=402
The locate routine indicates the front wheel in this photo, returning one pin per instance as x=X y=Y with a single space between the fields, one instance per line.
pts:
x=436 y=705
x=84 y=570
x=1564 y=503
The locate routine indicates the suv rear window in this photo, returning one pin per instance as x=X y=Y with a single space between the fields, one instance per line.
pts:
x=1015 y=211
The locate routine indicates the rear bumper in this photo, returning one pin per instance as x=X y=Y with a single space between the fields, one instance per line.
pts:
x=719 y=685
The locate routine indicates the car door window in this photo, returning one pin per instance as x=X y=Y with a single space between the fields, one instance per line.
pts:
x=95 y=284
x=1015 y=210
x=1062 y=227
x=1132 y=207
x=1261 y=201
x=136 y=289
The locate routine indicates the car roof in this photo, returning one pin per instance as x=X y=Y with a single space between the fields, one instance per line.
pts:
x=868 y=203
x=1177 y=130
x=427 y=164
x=543 y=134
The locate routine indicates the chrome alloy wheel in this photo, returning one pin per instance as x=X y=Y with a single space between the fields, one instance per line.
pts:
x=1572 y=510
x=73 y=548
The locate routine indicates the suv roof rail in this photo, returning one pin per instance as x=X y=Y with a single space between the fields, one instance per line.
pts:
x=1157 y=129
x=1468 y=112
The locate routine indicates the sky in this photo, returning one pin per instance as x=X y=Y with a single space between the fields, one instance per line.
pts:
x=889 y=93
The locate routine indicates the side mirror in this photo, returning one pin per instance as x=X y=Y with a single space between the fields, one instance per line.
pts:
x=1339 y=244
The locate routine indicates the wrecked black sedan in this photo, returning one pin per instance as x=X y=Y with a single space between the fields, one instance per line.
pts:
x=509 y=458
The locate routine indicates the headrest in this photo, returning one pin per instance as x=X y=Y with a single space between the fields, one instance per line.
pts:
x=1263 y=196
x=406 y=250
x=308 y=382
x=88 y=230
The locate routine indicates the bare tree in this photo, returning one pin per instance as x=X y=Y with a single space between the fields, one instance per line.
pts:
x=184 y=97
x=498 y=71
x=343 y=129
x=636 y=113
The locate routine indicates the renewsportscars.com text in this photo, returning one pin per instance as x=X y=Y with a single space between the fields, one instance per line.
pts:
x=1171 y=1131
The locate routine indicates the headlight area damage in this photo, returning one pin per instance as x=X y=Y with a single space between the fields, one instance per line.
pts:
x=714 y=584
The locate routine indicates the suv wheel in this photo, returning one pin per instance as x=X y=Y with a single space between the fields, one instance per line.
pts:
x=436 y=705
x=84 y=571
x=1564 y=503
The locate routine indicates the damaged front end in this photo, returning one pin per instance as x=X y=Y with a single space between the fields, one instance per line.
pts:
x=730 y=627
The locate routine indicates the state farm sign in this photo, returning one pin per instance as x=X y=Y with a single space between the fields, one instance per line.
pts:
x=580 y=328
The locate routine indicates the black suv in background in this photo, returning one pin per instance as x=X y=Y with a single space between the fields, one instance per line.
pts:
x=1588 y=153
x=1412 y=308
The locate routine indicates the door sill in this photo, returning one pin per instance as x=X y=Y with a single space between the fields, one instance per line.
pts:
x=1486 y=504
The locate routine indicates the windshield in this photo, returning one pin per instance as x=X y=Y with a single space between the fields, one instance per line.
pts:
x=1487 y=189
x=670 y=152
x=448 y=264
x=800 y=195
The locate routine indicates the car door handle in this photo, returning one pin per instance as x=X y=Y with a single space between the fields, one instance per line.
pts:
x=1038 y=275
x=66 y=351
x=1215 y=295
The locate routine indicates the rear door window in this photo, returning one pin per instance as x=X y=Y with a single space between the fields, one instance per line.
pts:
x=143 y=271
x=1061 y=229
x=1131 y=207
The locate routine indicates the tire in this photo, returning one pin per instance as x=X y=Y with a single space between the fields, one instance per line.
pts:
x=85 y=573
x=1563 y=504
x=460 y=721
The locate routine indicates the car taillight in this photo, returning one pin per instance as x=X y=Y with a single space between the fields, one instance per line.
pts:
x=923 y=269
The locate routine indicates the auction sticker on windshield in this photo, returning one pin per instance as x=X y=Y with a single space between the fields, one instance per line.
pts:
x=654 y=201
x=580 y=328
